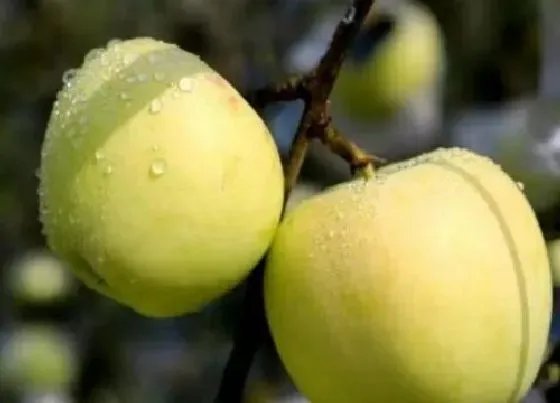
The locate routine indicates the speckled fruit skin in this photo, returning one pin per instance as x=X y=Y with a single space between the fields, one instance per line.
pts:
x=158 y=182
x=429 y=283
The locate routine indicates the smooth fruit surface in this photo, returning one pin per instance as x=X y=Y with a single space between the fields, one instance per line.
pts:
x=38 y=277
x=159 y=183
x=429 y=283
x=37 y=357
x=554 y=258
x=405 y=63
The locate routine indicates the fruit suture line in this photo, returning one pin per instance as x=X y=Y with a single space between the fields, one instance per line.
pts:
x=314 y=89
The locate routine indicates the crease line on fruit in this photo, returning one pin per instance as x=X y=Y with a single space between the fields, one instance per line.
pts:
x=516 y=262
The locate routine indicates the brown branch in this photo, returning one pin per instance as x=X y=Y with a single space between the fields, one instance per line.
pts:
x=314 y=89
x=346 y=149
x=288 y=90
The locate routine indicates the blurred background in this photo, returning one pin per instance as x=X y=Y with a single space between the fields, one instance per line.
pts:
x=479 y=74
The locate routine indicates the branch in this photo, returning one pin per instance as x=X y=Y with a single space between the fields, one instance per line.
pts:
x=314 y=89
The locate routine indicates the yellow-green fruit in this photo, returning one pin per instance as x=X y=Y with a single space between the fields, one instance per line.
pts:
x=554 y=258
x=37 y=357
x=39 y=277
x=404 y=64
x=428 y=283
x=159 y=183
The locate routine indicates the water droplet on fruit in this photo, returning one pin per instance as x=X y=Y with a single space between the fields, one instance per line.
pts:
x=152 y=58
x=186 y=84
x=92 y=55
x=114 y=44
x=68 y=76
x=155 y=147
x=129 y=58
x=99 y=156
x=521 y=186
x=158 y=167
x=104 y=59
x=331 y=234
x=108 y=170
x=142 y=77
x=155 y=106
x=124 y=96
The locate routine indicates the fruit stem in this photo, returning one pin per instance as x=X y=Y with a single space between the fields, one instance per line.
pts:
x=366 y=172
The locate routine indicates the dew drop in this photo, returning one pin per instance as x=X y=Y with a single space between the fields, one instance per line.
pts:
x=104 y=59
x=155 y=106
x=158 y=167
x=92 y=55
x=331 y=234
x=108 y=170
x=124 y=96
x=114 y=44
x=521 y=186
x=186 y=84
x=350 y=15
x=99 y=156
x=129 y=58
x=68 y=76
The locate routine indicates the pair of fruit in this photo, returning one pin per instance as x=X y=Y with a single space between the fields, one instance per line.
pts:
x=428 y=283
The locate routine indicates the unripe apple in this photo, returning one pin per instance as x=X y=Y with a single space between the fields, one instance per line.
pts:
x=38 y=277
x=399 y=55
x=158 y=182
x=37 y=357
x=554 y=258
x=427 y=283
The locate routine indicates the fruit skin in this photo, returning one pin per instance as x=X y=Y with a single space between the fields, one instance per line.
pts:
x=379 y=82
x=38 y=277
x=37 y=357
x=554 y=258
x=428 y=283
x=158 y=182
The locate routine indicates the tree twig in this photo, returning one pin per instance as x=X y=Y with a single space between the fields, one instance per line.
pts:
x=314 y=89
